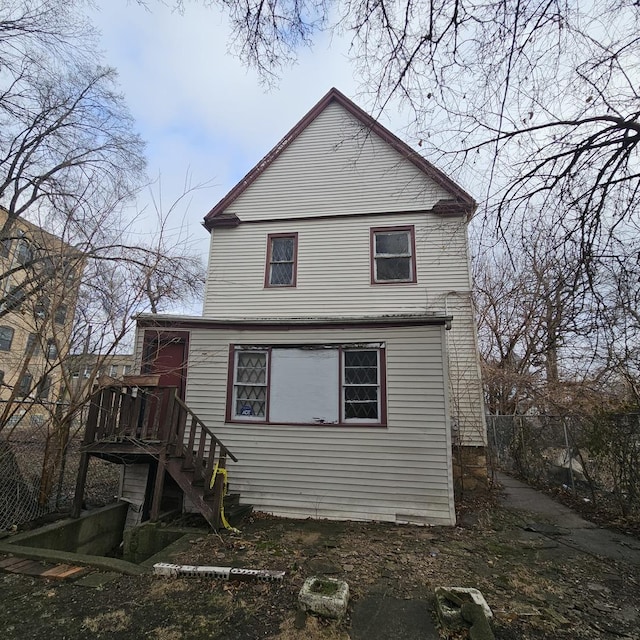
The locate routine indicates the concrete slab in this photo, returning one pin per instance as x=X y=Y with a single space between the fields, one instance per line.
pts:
x=98 y=579
x=578 y=535
x=379 y=618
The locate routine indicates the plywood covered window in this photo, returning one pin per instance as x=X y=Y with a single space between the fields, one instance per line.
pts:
x=282 y=253
x=393 y=256
x=307 y=384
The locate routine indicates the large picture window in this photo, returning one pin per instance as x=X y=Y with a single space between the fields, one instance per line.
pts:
x=282 y=252
x=307 y=385
x=393 y=255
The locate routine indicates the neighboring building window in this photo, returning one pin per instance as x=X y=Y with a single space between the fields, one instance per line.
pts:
x=307 y=385
x=24 y=387
x=41 y=307
x=361 y=385
x=282 y=250
x=15 y=419
x=393 y=254
x=44 y=386
x=52 y=349
x=6 y=338
x=25 y=254
x=32 y=343
x=1 y=377
x=60 y=315
x=113 y=370
x=5 y=248
x=126 y=369
x=250 y=385
x=14 y=298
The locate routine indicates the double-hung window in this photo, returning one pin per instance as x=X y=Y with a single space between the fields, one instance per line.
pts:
x=250 y=384
x=393 y=255
x=282 y=253
x=312 y=384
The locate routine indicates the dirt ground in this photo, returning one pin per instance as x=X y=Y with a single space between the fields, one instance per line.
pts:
x=537 y=588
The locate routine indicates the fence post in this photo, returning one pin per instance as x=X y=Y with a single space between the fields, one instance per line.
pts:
x=569 y=456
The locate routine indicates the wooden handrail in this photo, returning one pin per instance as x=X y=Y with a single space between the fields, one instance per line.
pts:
x=150 y=414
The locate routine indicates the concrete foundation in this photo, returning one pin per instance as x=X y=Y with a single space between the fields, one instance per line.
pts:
x=470 y=468
x=95 y=532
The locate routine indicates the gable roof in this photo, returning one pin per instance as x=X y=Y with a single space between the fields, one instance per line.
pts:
x=461 y=202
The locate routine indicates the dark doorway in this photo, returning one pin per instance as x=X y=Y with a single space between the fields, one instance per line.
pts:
x=166 y=353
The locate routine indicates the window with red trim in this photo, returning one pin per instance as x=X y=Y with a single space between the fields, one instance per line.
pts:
x=282 y=253
x=393 y=255
x=307 y=384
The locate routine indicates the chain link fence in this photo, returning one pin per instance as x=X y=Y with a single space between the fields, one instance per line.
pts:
x=34 y=482
x=596 y=458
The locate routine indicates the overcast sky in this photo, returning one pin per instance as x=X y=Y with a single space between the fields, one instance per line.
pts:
x=201 y=112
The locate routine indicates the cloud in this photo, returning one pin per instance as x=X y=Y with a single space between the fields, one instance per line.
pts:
x=200 y=110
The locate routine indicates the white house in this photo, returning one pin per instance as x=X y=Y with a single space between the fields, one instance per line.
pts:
x=336 y=354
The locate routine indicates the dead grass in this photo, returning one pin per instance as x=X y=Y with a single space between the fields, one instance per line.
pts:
x=112 y=621
x=314 y=629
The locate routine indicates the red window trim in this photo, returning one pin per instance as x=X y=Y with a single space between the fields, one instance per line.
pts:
x=294 y=275
x=229 y=415
x=412 y=235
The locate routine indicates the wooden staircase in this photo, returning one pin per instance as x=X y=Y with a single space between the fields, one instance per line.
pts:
x=138 y=421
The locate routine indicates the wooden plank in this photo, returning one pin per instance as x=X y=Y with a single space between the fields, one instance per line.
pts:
x=158 y=486
x=62 y=571
x=7 y=563
x=16 y=566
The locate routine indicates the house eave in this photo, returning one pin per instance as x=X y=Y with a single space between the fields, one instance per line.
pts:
x=162 y=321
x=459 y=195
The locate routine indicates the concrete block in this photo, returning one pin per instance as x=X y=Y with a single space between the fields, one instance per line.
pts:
x=327 y=597
x=449 y=601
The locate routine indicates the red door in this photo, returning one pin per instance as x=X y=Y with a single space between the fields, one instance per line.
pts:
x=165 y=353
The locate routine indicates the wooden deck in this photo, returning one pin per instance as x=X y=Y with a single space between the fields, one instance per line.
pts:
x=129 y=423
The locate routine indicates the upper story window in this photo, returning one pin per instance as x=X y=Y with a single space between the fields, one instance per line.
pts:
x=52 y=349
x=393 y=255
x=13 y=299
x=6 y=338
x=25 y=253
x=32 y=344
x=282 y=253
x=25 y=385
x=44 y=387
x=60 y=314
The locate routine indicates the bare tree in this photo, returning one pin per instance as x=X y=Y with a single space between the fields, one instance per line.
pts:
x=71 y=277
x=536 y=103
x=538 y=325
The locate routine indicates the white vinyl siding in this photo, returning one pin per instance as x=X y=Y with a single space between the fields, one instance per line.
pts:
x=336 y=166
x=401 y=472
x=337 y=283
